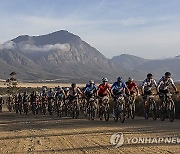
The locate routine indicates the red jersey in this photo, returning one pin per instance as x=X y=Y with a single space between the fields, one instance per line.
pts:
x=131 y=86
x=102 y=89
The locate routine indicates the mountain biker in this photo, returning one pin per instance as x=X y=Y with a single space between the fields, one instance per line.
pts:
x=147 y=86
x=104 y=88
x=60 y=94
x=19 y=98
x=74 y=94
x=51 y=94
x=118 y=88
x=25 y=97
x=44 y=95
x=132 y=86
x=163 y=86
x=91 y=89
x=66 y=92
x=32 y=97
x=74 y=91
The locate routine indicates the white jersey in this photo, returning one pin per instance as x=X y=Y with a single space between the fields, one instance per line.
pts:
x=147 y=85
x=164 y=84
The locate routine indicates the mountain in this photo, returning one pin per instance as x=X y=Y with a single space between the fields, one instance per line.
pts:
x=65 y=57
x=128 y=62
x=59 y=55
x=141 y=66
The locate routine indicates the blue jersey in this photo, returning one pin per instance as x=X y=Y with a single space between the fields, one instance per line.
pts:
x=117 y=88
x=90 y=89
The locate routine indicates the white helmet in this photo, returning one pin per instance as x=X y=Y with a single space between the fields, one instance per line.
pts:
x=104 y=80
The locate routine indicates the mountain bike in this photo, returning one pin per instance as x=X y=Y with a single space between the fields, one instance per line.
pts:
x=150 y=108
x=104 y=109
x=119 y=110
x=74 y=108
x=167 y=109
x=91 y=108
x=131 y=108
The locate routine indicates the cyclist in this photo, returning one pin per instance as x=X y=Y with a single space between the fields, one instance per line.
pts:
x=60 y=94
x=74 y=92
x=44 y=95
x=163 y=86
x=91 y=89
x=132 y=86
x=51 y=94
x=66 y=92
x=74 y=95
x=32 y=97
x=118 y=88
x=24 y=99
x=147 y=86
x=104 y=88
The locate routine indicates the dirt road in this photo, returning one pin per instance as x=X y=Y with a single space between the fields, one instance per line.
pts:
x=51 y=134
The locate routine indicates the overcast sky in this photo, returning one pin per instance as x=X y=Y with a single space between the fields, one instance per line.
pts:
x=146 y=28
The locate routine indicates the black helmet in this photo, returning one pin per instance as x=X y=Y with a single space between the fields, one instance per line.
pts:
x=119 y=79
x=130 y=79
x=73 y=85
x=167 y=74
x=149 y=75
x=91 y=82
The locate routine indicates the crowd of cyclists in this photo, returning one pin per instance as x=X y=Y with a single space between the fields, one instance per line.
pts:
x=94 y=101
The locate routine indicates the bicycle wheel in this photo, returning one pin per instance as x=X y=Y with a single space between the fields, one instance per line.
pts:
x=171 y=111
x=132 y=110
x=154 y=110
x=106 y=112
x=122 y=113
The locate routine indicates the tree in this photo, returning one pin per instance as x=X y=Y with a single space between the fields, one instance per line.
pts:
x=12 y=83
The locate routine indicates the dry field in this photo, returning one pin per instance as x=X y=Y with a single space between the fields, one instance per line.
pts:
x=51 y=134
x=50 y=85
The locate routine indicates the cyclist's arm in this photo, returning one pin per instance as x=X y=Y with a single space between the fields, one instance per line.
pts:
x=126 y=89
x=137 y=90
x=79 y=91
x=174 y=86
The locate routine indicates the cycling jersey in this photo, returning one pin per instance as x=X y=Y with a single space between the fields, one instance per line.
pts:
x=51 y=94
x=131 y=86
x=74 y=92
x=89 y=90
x=59 y=95
x=147 y=85
x=117 y=88
x=25 y=98
x=102 y=89
x=164 y=84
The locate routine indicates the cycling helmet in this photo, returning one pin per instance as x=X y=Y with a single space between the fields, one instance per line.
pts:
x=104 y=80
x=119 y=79
x=130 y=79
x=149 y=75
x=91 y=82
x=67 y=89
x=73 y=85
x=167 y=74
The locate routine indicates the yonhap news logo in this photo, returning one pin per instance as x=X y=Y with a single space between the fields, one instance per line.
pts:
x=118 y=139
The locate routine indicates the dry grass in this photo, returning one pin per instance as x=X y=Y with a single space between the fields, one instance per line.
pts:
x=50 y=85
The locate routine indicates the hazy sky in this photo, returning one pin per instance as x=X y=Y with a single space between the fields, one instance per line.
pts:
x=146 y=28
